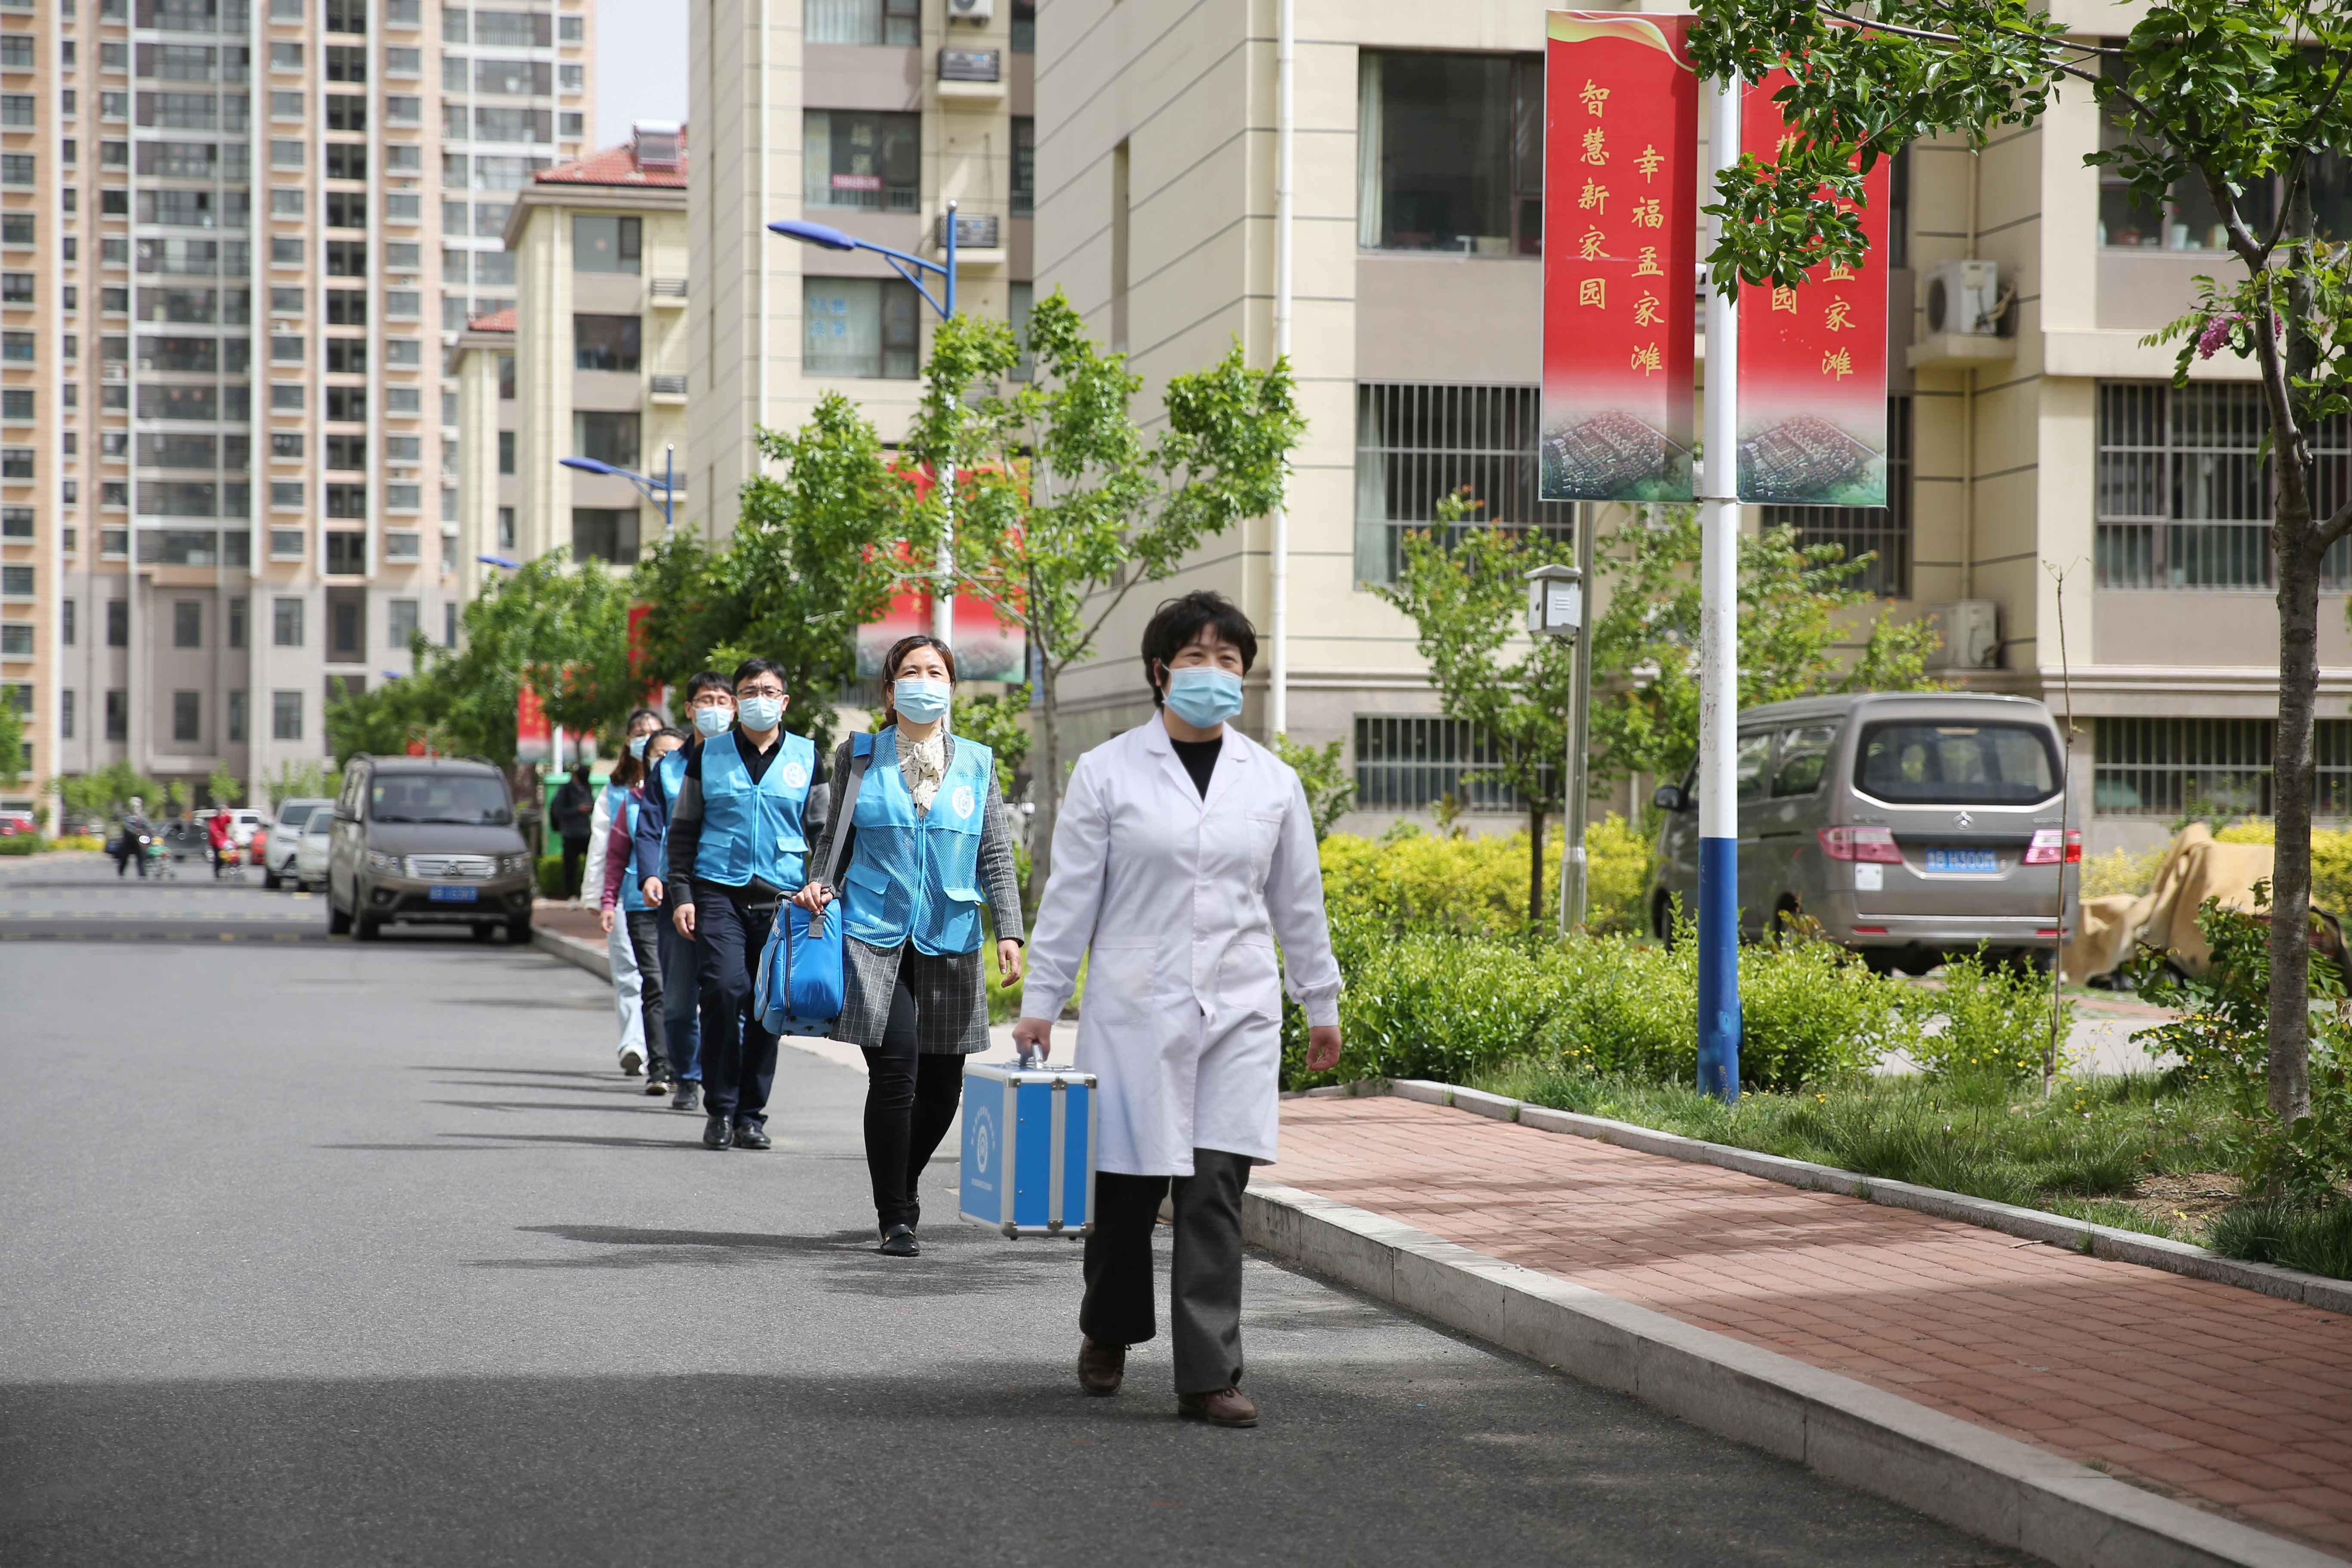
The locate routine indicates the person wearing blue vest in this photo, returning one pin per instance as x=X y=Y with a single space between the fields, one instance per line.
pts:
x=710 y=707
x=929 y=844
x=629 y=926
x=738 y=846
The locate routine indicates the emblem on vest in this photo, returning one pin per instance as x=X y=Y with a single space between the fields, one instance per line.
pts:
x=795 y=774
x=963 y=801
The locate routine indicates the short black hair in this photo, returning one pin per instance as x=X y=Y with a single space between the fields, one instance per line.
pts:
x=683 y=737
x=751 y=667
x=707 y=680
x=1179 y=621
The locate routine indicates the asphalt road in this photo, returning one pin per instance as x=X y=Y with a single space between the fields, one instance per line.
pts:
x=323 y=1254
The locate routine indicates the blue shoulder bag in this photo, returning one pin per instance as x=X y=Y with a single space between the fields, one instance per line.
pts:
x=800 y=986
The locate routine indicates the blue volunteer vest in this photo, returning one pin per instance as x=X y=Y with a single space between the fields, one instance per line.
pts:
x=916 y=878
x=753 y=828
x=669 y=773
x=633 y=896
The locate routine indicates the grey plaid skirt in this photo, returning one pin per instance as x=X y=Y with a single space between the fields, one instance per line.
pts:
x=950 y=992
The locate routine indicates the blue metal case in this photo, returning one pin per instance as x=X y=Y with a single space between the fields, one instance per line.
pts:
x=1029 y=1148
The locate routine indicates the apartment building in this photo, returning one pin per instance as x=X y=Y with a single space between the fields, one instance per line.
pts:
x=224 y=502
x=590 y=363
x=871 y=116
x=2050 y=443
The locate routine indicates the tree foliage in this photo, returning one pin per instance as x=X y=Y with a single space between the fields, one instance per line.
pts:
x=1001 y=723
x=11 y=740
x=2242 y=98
x=1466 y=593
x=812 y=557
x=105 y=792
x=1323 y=774
x=1794 y=639
x=1063 y=506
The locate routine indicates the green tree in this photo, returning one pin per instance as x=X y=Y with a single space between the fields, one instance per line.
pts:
x=223 y=788
x=1465 y=589
x=2239 y=99
x=1064 y=507
x=1001 y=723
x=303 y=782
x=811 y=559
x=1323 y=773
x=11 y=740
x=1795 y=638
x=105 y=792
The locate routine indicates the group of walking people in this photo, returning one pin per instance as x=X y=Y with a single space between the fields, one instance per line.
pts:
x=1182 y=854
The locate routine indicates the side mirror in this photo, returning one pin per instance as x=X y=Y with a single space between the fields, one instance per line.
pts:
x=1669 y=798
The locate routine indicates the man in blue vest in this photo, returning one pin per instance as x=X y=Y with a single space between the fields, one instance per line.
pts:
x=710 y=711
x=748 y=808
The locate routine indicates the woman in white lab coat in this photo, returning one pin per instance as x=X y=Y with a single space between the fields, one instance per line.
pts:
x=1184 y=851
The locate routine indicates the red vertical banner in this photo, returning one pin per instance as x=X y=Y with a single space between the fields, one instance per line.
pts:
x=534 y=739
x=1812 y=357
x=1621 y=255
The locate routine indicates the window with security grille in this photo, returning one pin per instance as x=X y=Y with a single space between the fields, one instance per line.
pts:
x=1416 y=444
x=2209 y=767
x=2184 y=486
x=1881 y=533
x=1410 y=762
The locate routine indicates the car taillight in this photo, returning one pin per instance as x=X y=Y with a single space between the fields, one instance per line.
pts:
x=1861 y=844
x=2049 y=847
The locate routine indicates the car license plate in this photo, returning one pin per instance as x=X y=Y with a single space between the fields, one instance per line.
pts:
x=1963 y=863
x=454 y=894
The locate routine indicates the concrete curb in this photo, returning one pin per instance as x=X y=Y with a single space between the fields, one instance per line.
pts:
x=589 y=956
x=2006 y=1491
x=2032 y=1224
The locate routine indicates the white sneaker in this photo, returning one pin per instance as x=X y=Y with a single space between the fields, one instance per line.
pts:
x=633 y=1061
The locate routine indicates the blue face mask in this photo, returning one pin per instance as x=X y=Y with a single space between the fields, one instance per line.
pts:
x=920 y=700
x=713 y=721
x=760 y=714
x=638 y=745
x=1204 y=697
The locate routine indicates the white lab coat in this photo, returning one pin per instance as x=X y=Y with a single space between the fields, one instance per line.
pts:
x=628 y=985
x=1180 y=901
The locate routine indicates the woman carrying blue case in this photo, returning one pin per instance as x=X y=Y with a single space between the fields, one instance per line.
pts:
x=929 y=844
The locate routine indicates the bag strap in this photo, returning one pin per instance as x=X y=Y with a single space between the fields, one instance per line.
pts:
x=861 y=752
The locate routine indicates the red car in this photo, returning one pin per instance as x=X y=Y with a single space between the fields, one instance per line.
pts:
x=15 y=822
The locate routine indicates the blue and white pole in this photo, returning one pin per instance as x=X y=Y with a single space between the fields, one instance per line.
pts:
x=1718 y=645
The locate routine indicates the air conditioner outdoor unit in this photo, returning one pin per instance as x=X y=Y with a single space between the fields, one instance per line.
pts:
x=1970 y=634
x=971 y=10
x=1965 y=298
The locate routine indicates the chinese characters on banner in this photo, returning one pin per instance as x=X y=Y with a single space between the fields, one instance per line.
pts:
x=1812 y=359
x=1621 y=249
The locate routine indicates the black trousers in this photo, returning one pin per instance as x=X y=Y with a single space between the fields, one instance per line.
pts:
x=644 y=926
x=912 y=1096
x=575 y=858
x=739 y=1057
x=1205 y=1291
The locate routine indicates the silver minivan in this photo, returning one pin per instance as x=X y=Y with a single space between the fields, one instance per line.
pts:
x=1905 y=825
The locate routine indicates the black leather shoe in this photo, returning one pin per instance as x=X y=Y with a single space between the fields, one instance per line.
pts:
x=751 y=1135
x=1101 y=1366
x=716 y=1134
x=900 y=1243
x=655 y=1087
x=687 y=1096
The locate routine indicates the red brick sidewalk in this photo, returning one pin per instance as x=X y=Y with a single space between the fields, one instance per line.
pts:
x=2209 y=1393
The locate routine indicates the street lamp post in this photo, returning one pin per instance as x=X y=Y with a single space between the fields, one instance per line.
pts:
x=910 y=267
x=1556 y=609
x=663 y=490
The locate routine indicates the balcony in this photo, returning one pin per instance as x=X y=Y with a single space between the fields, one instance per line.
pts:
x=970 y=78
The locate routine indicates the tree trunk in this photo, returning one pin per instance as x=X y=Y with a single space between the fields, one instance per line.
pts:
x=2291 y=780
x=1535 y=864
x=1046 y=785
x=2295 y=554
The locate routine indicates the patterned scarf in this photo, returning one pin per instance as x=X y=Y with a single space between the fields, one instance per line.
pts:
x=922 y=764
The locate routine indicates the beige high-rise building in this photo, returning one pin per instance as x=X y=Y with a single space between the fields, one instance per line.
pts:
x=2048 y=442
x=869 y=116
x=590 y=363
x=226 y=224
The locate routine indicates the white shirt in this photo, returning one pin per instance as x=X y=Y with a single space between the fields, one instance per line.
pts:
x=1180 y=901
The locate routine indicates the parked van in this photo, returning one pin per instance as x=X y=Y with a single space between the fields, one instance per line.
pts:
x=426 y=839
x=1905 y=825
